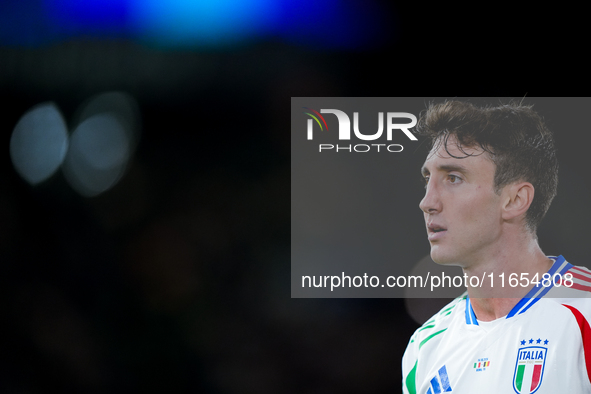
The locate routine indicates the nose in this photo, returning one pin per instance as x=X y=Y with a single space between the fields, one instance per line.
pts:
x=431 y=203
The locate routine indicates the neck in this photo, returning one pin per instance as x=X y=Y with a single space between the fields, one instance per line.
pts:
x=508 y=267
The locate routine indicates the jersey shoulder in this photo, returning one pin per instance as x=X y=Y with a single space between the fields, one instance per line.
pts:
x=581 y=280
x=430 y=331
x=574 y=291
x=426 y=338
x=439 y=322
x=575 y=282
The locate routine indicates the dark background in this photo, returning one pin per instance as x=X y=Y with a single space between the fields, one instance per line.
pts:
x=178 y=278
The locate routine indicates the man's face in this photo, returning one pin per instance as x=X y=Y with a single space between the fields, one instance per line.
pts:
x=462 y=211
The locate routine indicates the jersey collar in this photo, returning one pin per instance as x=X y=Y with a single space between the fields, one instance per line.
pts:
x=559 y=267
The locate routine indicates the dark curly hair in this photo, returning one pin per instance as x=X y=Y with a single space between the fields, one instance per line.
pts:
x=515 y=136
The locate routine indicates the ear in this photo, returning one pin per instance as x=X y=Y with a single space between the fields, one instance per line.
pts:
x=517 y=199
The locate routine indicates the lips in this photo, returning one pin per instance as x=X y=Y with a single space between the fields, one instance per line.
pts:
x=435 y=231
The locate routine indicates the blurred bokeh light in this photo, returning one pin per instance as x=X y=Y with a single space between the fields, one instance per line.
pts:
x=325 y=24
x=39 y=143
x=98 y=154
x=186 y=23
x=120 y=106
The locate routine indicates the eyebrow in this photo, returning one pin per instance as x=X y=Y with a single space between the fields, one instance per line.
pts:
x=446 y=168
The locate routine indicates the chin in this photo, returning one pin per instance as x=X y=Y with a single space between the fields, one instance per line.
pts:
x=440 y=257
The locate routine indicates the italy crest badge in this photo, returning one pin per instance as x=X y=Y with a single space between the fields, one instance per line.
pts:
x=529 y=366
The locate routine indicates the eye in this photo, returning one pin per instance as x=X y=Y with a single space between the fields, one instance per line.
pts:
x=454 y=179
x=426 y=180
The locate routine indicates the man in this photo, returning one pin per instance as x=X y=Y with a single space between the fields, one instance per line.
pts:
x=490 y=177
